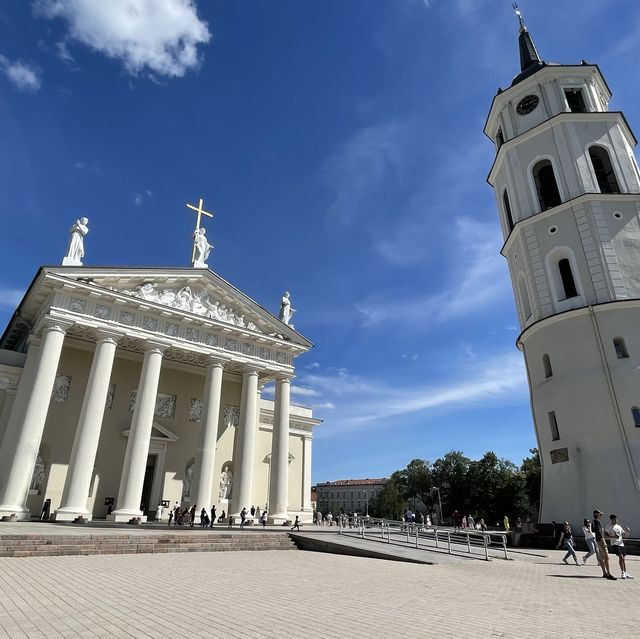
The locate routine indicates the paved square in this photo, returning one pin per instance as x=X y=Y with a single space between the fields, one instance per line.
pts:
x=300 y=594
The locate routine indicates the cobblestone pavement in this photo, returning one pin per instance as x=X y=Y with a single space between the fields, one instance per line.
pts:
x=306 y=595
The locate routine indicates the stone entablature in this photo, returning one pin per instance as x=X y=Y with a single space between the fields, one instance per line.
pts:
x=191 y=337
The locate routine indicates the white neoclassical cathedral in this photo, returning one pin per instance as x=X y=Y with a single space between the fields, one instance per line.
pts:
x=568 y=192
x=122 y=388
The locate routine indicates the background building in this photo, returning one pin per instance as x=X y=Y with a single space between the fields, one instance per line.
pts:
x=347 y=495
x=568 y=192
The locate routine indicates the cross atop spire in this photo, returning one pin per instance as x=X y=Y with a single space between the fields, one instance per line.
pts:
x=516 y=8
x=529 y=59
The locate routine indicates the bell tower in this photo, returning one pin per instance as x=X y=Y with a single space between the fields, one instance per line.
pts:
x=567 y=188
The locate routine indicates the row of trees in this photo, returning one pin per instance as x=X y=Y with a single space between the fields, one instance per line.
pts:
x=490 y=487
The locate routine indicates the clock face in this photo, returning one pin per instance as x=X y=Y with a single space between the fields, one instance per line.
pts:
x=527 y=104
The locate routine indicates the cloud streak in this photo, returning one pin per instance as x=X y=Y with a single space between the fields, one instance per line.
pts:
x=23 y=75
x=361 y=404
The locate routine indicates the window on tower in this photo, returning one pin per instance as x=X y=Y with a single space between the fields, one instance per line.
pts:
x=499 y=138
x=620 y=348
x=507 y=209
x=575 y=100
x=546 y=363
x=603 y=169
x=553 y=424
x=635 y=411
x=566 y=275
x=546 y=185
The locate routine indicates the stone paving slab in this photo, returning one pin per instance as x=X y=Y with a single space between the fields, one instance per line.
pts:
x=307 y=595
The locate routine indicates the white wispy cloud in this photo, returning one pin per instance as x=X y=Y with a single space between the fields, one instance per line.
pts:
x=477 y=279
x=24 y=75
x=10 y=297
x=138 y=199
x=160 y=37
x=358 y=403
x=303 y=391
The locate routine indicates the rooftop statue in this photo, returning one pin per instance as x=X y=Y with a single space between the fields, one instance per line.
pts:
x=75 y=251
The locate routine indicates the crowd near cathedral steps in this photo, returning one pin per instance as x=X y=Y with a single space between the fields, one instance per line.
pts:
x=126 y=388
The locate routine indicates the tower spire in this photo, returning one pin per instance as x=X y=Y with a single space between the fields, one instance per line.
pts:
x=528 y=53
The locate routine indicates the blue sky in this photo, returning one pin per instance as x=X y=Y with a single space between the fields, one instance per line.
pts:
x=340 y=144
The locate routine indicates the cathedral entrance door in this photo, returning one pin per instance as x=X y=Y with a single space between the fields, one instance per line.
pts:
x=145 y=502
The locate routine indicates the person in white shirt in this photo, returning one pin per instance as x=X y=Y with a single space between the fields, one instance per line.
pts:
x=589 y=539
x=616 y=532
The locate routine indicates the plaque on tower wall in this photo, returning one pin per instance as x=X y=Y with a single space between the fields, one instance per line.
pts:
x=559 y=455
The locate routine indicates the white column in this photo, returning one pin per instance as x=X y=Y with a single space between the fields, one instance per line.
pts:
x=135 y=457
x=7 y=407
x=279 y=484
x=85 y=443
x=206 y=451
x=24 y=431
x=307 y=507
x=244 y=464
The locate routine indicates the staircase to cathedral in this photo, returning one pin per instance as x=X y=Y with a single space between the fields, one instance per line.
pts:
x=56 y=545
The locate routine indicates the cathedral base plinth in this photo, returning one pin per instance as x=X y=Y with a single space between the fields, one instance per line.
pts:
x=70 y=515
x=124 y=517
x=278 y=520
x=21 y=513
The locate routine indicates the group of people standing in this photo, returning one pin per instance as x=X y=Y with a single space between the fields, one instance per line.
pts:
x=181 y=516
x=595 y=536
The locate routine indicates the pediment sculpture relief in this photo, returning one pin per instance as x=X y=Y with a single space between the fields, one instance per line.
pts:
x=196 y=300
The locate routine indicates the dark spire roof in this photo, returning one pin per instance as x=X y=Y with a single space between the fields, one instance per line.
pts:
x=530 y=61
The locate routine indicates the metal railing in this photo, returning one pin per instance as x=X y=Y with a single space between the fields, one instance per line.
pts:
x=412 y=533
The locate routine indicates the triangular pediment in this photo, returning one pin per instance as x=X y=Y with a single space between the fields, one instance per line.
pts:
x=191 y=291
x=158 y=433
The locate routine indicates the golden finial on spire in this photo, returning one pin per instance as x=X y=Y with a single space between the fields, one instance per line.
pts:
x=516 y=8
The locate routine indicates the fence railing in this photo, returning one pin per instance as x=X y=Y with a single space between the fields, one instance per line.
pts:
x=448 y=539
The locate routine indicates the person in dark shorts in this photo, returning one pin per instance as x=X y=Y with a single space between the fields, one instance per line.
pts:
x=601 y=545
x=616 y=532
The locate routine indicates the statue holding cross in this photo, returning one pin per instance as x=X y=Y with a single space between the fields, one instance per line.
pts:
x=201 y=246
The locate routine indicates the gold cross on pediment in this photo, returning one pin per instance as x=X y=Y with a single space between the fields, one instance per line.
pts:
x=200 y=211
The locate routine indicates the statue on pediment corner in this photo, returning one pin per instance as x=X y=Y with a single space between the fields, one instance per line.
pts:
x=75 y=250
x=286 y=310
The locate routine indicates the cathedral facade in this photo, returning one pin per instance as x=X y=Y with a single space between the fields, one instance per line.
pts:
x=125 y=388
x=567 y=187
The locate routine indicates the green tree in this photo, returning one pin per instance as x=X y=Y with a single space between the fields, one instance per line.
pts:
x=415 y=481
x=449 y=474
x=532 y=476
x=389 y=503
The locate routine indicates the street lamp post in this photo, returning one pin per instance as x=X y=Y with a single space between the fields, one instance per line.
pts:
x=439 y=503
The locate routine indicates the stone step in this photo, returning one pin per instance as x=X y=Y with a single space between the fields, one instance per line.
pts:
x=54 y=545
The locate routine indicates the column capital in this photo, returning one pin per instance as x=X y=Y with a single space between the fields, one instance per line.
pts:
x=213 y=361
x=151 y=346
x=53 y=325
x=284 y=377
x=249 y=369
x=105 y=335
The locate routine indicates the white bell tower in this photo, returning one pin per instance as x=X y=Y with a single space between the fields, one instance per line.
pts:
x=567 y=186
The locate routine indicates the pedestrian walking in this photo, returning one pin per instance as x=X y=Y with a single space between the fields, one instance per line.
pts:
x=192 y=516
x=204 y=518
x=296 y=524
x=601 y=545
x=567 y=540
x=616 y=532
x=263 y=518
x=243 y=516
x=159 y=511
x=213 y=516
x=589 y=539
x=170 y=517
x=252 y=510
